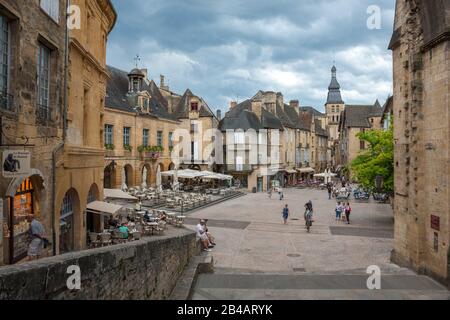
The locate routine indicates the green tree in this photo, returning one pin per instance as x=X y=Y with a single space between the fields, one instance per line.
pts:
x=377 y=159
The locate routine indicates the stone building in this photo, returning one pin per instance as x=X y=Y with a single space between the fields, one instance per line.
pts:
x=64 y=139
x=354 y=120
x=421 y=64
x=79 y=166
x=320 y=156
x=264 y=138
x=138 y=130
x=199 y=122
x=31 y=102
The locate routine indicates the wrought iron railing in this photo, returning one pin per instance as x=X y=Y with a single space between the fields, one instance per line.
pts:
x=6 y=102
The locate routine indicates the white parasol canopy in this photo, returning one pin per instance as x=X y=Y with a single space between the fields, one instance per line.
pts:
x=117 y=194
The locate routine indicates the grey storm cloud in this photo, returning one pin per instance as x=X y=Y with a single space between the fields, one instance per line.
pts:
x=227 y=50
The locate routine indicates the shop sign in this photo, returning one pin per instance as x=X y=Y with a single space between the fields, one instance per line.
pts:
x=16 y=163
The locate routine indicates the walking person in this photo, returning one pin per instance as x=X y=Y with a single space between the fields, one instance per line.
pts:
x=280 y=192
x=309 y=211
x=39 y=240
x=286 y=214
x=338 y=211
x=270 y=193
x=330 y=189
x=348 y=210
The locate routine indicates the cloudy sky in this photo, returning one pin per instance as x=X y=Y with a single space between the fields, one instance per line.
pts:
x=226 y=50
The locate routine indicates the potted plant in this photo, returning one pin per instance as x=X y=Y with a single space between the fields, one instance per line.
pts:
x=127 y=147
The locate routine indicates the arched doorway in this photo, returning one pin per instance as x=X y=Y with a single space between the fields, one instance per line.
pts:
x=23 y=206
x=129 y=176
x=70 y=209
x=93 y=220
x=109 y=180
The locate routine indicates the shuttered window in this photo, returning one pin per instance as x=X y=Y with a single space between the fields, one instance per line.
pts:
x=51 y=7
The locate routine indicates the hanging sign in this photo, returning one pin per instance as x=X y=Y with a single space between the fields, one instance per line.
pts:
x=16 y=163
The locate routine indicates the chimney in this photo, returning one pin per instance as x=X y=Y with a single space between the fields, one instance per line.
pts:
x=295 y=105
x=233 y=104
x=256 y=108
x=162 y=83
x=219 y=114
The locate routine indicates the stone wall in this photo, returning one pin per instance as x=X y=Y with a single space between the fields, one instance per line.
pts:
x=145 y=269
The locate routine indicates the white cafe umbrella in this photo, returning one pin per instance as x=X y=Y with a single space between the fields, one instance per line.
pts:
x=144 y=178
x=175 y=180
x=124 y=183
x=158 y=179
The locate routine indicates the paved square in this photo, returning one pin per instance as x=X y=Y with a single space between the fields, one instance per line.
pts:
x=252 y=240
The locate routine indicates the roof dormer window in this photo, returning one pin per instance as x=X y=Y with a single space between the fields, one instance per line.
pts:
x=194 y=106
x=135 y=85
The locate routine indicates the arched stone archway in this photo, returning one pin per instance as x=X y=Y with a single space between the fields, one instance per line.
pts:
x=129 y=176
x=70 y=217
x=109 y=178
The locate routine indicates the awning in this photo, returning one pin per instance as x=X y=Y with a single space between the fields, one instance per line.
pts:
x=118 y=194
x=290 y=171
x=305 y=170
x=103 y=207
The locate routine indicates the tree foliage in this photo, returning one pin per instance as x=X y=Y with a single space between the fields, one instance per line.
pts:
x=377 y=159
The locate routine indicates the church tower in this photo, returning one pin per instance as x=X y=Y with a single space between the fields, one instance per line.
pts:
x=334 y=106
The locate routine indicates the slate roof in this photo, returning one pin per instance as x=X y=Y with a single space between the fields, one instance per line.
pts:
x=319 y=130
x=357 y=116
x=181 y=111
x=334 y=89
x=241 y=117
x=116 y=95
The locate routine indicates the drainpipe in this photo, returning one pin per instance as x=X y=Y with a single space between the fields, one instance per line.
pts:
x=60 y=146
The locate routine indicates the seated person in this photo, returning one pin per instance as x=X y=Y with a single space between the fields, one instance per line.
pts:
x=124 y=231
x=163 y=217
x=146 y=216
x=210 y=237
x=201 y=234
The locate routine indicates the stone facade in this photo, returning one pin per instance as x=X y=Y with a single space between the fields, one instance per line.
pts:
x=30 y=118
x=142 y=270
x=421 y=59
x=79 y=171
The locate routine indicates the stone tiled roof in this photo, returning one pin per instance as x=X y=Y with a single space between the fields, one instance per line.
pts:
x=312 y=111
x=305 y=121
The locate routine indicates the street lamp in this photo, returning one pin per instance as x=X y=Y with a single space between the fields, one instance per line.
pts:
x=379 y=179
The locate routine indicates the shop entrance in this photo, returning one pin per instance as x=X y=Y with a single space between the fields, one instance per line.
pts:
x=21 y=209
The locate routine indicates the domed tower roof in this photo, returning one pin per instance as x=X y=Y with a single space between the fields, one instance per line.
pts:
x=136 y=72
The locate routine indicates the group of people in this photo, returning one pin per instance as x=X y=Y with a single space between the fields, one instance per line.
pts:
x=343 y=211
x=205 y=236
x=308 y=215
x=278 y=190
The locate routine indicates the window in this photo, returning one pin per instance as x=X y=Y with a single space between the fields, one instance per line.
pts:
x=135 y=85
x=67 y=206
x=126 y=136
x=43 y=84
x=109 y=134
x=145 y=135
x=5 y=101
x=159 y=138
x=170 y=139
x=239 y=138
x=194 y=127
x=194 y=151
x=194 y=106
x=51 y=7
x=239 y=164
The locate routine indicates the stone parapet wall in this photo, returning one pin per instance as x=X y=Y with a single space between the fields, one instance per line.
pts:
x=146 y=269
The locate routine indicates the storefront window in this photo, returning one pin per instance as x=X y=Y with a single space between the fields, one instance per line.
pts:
x=21 y=215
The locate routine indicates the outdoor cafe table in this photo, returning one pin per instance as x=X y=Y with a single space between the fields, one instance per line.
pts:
x=152 y=225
